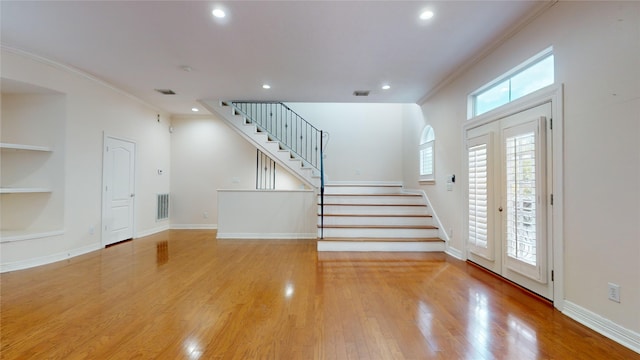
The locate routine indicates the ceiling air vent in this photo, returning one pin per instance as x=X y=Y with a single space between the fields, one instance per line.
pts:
x=165 y=91
x=361 y=93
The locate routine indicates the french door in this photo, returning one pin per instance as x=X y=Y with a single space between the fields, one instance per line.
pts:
x=508 y=217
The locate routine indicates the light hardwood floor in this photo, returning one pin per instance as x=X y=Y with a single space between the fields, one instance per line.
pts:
x=186 y=295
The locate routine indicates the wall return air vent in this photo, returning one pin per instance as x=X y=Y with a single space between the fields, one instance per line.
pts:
x=361 y=93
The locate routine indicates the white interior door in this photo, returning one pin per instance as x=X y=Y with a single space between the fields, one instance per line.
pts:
x=118 y=190
x=508 y=223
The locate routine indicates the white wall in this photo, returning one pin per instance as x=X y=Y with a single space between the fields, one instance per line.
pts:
x=92 y=108
x=597 y=57
x=267 y=214
x=208 y=155
x=365 y=142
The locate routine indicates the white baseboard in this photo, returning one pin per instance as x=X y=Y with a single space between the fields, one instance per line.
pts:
x=194 y=226
x=260 y=236
x=380 y=246
x=455 y=253
x=44 y=260
x=149 y=232
x=606 y=327
x=363 y=183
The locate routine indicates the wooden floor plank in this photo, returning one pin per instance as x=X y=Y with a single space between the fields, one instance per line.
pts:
x=183 y=294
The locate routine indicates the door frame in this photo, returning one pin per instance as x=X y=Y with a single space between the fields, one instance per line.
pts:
x=553 y=94
x=106 y=136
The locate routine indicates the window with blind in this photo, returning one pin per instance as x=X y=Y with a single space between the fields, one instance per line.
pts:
x=427 y=154
x=478 y=167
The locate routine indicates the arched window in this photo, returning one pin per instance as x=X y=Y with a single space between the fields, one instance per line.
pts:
x=427 y=154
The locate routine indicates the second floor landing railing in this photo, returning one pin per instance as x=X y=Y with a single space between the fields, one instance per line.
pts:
x=287 y=127
x=293 y=133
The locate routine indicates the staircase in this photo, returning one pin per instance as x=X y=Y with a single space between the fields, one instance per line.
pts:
x=351 y=217
x=276 y=130
x=360 y=217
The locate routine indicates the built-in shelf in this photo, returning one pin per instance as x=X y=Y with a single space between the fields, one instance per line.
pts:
x=20 y=235
x=7 y=146
x=24 y=190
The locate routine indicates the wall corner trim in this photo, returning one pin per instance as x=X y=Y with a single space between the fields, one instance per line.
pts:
x=606 y=327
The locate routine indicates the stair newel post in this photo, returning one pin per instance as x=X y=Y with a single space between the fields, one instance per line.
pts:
x=321 y=187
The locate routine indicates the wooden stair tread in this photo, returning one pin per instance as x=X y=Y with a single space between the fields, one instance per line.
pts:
x=416 y=227
x=426 y=239
x=380 y=215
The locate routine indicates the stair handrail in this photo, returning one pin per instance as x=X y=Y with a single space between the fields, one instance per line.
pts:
x=311 y=147
x=286 y=126
x=322 y=182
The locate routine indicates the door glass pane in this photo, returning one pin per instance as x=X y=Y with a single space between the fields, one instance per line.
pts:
x=478 y=196
x=521 y=197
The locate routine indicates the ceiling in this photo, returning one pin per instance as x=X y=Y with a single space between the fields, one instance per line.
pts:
x=308 y=51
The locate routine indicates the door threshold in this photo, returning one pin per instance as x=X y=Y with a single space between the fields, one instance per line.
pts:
x=516 y=285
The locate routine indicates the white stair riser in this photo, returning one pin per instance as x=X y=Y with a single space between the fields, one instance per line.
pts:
x=381 y=246
x=380 y=233
x=376 y=210
x=373 y=189
x=376 y=220
x=392 y=200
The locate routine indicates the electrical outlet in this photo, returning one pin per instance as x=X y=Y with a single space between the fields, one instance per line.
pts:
x=205 y=215
x=614 y=292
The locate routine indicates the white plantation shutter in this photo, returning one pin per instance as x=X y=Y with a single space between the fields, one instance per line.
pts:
x=426 y=159
x=524 y=238
x=521 y=197
x=427 y=154
x=478 y=168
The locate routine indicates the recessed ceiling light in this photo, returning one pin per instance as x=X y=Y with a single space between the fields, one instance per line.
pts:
x=427 y=14
x=219 y=13
x=266 y=86
x=386 y=87
x=195 y=109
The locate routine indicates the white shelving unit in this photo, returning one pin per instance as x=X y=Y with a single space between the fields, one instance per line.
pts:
x=23 y=147
x=32 y=176
x=7 y=148
x=29 y=190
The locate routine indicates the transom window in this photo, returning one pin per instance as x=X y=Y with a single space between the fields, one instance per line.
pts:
x=427 y=154
x=524 y=79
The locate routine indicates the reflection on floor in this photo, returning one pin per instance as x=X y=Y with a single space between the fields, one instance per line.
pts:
x=183 y=294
